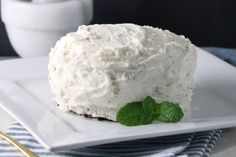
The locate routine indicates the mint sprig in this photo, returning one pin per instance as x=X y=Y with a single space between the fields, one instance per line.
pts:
x=145 y=112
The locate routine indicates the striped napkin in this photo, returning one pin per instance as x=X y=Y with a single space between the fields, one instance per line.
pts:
x=197 y=144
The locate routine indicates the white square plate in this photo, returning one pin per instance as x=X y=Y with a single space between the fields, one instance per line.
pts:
x=24 y=93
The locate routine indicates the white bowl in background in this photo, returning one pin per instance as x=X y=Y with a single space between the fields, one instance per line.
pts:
x=33 y=28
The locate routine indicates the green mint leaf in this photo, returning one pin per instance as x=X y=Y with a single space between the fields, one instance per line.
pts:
x=170 y=112
x=150 y=106
x=145 y=112
x=133 y=114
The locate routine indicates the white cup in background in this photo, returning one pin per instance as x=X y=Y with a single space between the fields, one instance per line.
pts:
x=33 y=28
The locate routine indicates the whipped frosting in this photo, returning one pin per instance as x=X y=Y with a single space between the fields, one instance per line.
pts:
x=100 y=68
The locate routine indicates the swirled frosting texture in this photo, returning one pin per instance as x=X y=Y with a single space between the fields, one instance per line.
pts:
x=100 y=68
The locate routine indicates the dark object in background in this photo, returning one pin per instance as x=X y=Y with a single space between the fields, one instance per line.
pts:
x=5 y=46
x=205 y=22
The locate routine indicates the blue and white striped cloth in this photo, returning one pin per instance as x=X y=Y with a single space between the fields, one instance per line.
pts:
x=193 y=144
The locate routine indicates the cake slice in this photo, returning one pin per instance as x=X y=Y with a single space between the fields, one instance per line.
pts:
x=100 y=68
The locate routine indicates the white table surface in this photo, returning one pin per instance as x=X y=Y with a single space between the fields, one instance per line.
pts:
x=225 y=146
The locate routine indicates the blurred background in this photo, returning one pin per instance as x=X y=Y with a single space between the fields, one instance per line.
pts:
x=205 y=22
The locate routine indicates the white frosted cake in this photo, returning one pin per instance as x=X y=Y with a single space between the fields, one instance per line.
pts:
x=100 y=68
